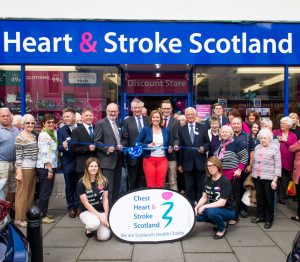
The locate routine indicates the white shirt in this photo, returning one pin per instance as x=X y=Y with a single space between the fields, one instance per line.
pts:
x=137 y=121
x=159 y=141
x=87 y=127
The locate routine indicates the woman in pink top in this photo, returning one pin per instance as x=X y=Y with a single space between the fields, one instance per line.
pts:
x=295 y=148
x=232 y=113
x=286 y=138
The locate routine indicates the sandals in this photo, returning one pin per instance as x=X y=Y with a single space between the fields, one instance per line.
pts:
x=216 y=237
x=232 y=222
x=296 y=218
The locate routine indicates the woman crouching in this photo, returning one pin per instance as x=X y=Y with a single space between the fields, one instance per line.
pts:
x=92 y=189
x=216 y=205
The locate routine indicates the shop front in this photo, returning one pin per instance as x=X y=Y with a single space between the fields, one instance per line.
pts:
x=46 y=66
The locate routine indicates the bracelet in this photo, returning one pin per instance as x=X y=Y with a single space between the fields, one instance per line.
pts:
x=50 y=171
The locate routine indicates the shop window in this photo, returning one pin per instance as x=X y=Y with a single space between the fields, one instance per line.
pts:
x=243 y=88
x=10 y=88
x=294 y=90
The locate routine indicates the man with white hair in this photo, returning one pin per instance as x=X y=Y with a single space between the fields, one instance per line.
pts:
x=8 y=134
x=131 y=128
x=193 y=145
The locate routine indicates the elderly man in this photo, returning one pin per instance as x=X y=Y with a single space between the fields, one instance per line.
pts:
x=8 y=134
x=132 y=127
x=108 y=132
x=193 y=145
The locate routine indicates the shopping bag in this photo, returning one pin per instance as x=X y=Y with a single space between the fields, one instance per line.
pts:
x=291 y=189
x=246 y=198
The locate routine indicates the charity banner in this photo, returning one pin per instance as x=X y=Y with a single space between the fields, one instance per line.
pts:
x=203 y=111
x=145 y=42
x=151 y=215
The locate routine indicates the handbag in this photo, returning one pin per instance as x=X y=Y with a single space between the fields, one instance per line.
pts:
x=291 y=189
x=247 y=197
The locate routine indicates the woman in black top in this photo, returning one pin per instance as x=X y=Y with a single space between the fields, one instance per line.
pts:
x=92 y=189
x=216 y=205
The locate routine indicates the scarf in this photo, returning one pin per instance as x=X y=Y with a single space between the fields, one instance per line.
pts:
x=50 y=133
x=222 y=149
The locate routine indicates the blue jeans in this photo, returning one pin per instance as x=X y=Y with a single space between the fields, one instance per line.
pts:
x=216 y=216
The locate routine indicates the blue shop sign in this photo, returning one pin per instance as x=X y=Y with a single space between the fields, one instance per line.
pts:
x=103 y=42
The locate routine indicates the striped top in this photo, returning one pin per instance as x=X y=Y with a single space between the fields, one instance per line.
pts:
x=26 y=151
x=235 y=156
x=267 y=162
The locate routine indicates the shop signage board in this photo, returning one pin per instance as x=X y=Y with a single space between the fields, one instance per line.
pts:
x=151 y=215
x=203 y=111
x=131 y=42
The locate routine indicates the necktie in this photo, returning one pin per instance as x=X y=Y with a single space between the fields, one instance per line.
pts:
x=116 y=132
x=91 y=133
x=192 y=134
x=165 y=122
x=139 y=124
x=220 y=121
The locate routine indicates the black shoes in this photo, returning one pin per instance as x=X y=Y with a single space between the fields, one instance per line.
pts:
x=89 y=234
x=257 y=220
x=72 y=213
x=268 y=225
x=216 y=237
x=296 y=218
x=243 y=214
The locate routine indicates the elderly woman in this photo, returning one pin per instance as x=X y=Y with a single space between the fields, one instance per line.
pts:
x=26 y=156
x=213 y=134
x=295 y=124
x=266 y=172
x=46 y=164
x=216 y=205
x=286 y=138
x=234 y=157
x=268 y=124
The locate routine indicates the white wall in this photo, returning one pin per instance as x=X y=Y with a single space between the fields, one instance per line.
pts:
x=208 y=10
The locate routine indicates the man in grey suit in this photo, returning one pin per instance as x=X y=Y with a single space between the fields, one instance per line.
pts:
x=108 y=131
x=173 y=125
x=131 y=128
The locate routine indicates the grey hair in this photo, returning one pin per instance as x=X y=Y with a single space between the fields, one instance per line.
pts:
x=265 y=133
x=190 y=108
x=288 y=120
x=27 y=117
x=137 y=101
x=227 y=128
x=267 y=122
x=16 y=119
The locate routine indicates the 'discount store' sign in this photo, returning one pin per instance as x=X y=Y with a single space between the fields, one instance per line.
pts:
x=100 y=42
x=151 y=215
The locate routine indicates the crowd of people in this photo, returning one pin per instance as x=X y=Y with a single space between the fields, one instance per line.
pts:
x=206 y=161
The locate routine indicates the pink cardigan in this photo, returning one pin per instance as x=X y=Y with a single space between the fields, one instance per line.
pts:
x=287 y=157
x=295 y=148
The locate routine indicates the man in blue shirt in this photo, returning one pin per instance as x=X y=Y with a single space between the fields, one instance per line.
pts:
x=8 y=134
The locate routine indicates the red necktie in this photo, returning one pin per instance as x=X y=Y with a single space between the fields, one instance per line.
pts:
x=165 y=122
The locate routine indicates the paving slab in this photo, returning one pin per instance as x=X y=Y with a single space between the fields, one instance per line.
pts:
x=158 y=252
x=259 y=254
x=58 y=203
x=112 y=250
x=248 y=236
x=210 y=257
x=288 y=210
x=282 y=224
x=66 y=221
x=203 y=229
x=65 y=237
x=205 y=244
x=243 y=222
x=61 y=254
x=283 y=239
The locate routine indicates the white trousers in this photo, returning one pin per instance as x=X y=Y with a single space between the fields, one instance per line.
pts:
x=93 y=223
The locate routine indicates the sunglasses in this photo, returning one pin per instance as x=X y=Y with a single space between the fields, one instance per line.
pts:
x=30 y=123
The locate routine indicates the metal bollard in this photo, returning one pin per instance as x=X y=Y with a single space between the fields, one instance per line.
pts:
x=34 y=233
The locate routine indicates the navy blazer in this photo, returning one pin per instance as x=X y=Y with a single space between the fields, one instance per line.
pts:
x=145 y=137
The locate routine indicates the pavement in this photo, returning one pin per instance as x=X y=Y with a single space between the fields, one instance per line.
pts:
x=65 y=241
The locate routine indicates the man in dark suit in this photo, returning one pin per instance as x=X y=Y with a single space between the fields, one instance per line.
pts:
x=192 y=161
x=69 y=159
x=108 y=131
x=131 y=128
x=82 y=140
x=218 y=112
x=172 y=124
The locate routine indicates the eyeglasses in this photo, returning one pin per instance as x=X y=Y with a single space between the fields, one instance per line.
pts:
x=50 y=122
x=210 y=166
x=166 y=108
x=30 y=123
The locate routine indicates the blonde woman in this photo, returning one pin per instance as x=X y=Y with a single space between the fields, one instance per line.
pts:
x=26 y=157
x=92 y=189
x=295 y=128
